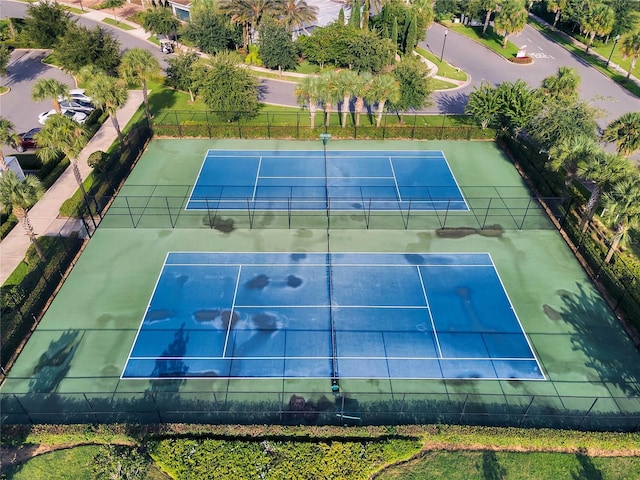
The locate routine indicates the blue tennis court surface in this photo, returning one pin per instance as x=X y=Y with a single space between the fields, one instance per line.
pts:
x=391 y=315
x=348 y=180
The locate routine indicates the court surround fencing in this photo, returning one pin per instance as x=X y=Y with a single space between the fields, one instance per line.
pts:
x=164 y=403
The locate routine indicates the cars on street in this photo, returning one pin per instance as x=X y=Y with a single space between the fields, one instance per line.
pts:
x=27 y=140
x=77 y=106
x=79 y=117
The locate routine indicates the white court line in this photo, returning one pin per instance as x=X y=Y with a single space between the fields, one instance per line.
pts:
x=426 y=299
x=233 y=306
x=135 y=340
x=395 y=179
x=399 y=265
x=255 y=185
x=466 y=359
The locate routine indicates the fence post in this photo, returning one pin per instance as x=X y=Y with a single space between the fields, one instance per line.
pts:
x=175 y=113
x=268 y=127
x=206 y=116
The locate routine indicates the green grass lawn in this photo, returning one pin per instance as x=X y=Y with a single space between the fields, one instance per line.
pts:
x=491 y=39
x=70 y=464
x=118 y=24
x=3 y=89
x=444 y=69
x=465 y=465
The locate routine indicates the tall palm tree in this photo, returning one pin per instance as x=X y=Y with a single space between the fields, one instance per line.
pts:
x=489 y=6
x=251 y=13
x=344 y=82
x=557 y=7
x=329 y=94
x=308 y=93
x=382 y=88
x=598 y=20
x=567 y=154
x=18 y=197
x=604 y=170
x=510 y=19
x=8 y=136
x=63 y=135
x=110 y=94
x=630 y=47
x=625 y=132
x=360 y=88
x=139 y=65
x=622 y=211
x=298 y=14
x=563 y=85
x=50 y=88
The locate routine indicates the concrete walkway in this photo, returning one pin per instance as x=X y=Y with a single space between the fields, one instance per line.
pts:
x=44 y=215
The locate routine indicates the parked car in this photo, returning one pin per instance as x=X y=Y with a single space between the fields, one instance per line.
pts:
x=77 y=106
x=27 y=140
x=77 y=116
x=76 y=95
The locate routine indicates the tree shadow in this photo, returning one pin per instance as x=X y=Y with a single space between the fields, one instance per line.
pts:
x=54 y=363
x=587 y=470
x=491 y=468
x=452 y=102
x=600 y=337
x=27 y=67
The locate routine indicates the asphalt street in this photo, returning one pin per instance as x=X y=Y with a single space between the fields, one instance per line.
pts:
x=480 y=63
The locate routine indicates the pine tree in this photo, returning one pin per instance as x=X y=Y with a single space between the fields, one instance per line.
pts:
x=412 y=36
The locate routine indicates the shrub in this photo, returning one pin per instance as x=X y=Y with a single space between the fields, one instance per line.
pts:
x=521 y=60
x=97 y=160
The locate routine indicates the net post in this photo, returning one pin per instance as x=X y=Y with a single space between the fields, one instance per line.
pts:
x=526 y=411
x=584 y=417
x=486 y=214
x=166 y=199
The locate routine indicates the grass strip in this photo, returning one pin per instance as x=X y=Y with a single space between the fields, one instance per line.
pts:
x=117 y=24
x=491 y=39
x=445 y=69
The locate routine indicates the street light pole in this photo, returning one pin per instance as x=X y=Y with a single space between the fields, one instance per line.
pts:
x=443 y=44
x=615 y=41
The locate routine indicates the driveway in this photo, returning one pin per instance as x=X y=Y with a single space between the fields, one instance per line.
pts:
x=25 y=68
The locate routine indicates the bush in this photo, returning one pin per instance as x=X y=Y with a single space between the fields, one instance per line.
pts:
x=97 y=160
x=521 y=60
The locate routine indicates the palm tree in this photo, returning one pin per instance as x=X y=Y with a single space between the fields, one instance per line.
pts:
x=109 y=94
x=250 y=13
x=18 y=197
x=360 y=88
x=140 y=65
x=63 y=135
x=489 y=6
x=625 y=132
x=308 y=93
x=8 y=136
x=604 y=170
x=298 y=14
x=328 y=94
x=46 y=88
x=383 y=88
x=630 y=47
x=557 y=7
x=563 y=85
x=622 y=211
x=598 y=20
x=344 y=82
x=510 y=19
x=567 y=154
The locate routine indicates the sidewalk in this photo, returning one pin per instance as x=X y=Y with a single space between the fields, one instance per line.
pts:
x=44 y=215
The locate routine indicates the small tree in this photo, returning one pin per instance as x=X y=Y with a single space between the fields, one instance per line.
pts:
x=160 y=21
x=489 y=6
x=597 y=19
x=139 y=65
x=277 y=50
x=383 y=88
x=484 y=106
x=563 y=86
x=329 y=94
x=622 y=211
x=354 y=17
x=113 y=4
x=180 y=73
x=568 y=154
x=415 y=85
x=5 y=56
x=50 y=88
x=510 y=19
x=80 y=47
x=8 y=136
x=18 y=197
x=412 y=37
x=557 y=7
x=630 y=47
x=345 y=82
x=230 y=90
x=110 y=94
x=45 y=23
x=308 y=94
x=625 y=133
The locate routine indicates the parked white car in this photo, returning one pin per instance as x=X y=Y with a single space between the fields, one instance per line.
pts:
x=76 y=95
x=77 y=116
x=77 y=106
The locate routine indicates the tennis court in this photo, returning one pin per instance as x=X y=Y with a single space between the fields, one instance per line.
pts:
x=167 y=317
x=353 y=315
x=339 y=180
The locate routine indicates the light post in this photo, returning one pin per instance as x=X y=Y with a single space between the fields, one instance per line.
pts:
x=443 y=44
x=615 y=41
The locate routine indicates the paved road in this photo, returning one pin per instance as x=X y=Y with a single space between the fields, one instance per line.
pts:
x=484 y=65
x=480 y=63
